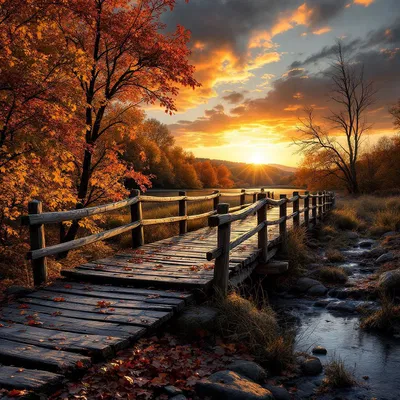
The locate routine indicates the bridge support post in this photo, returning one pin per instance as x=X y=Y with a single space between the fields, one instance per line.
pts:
x=254 y=197
x=215 y=200
x=282 y=225
x=314 y=210
x=221 y=268
x=137 y=215
x=183 y=213
x=324 y=205
x=296 y=208
x=243 y=197
x=38 y=241
x=307 y=210
x=320 y=205
x=263 y=234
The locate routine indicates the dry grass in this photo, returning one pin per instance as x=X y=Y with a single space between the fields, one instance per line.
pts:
x=332 y=275
x=337 y=376
x=385 y=319
x=345 y=219
x=334 y=255
x=240 y=321
x=298 y=252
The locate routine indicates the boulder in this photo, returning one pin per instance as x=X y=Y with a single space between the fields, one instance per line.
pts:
x=178 y=397
x=172 y=391
x=317 y=290
x=322 y=303
x=366 y=244
x=390 y=233
x=375 y=252
x=390 y=280
x=385 y=258
x=198 y=318
x=319 y=350
x=279 y=392
x=303 y=284
x=351 y=235
x=347 y=306
x=249 y=369
x=228 y=385
x=311 y=366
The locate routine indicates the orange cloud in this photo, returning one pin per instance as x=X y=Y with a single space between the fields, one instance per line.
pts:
x=364 y=3
x=321 y=31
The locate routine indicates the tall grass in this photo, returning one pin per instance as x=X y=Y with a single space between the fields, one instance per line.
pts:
x=337 y=376
x=297 y=250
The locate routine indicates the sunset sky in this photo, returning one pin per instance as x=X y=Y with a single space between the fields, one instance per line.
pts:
x=261 y=62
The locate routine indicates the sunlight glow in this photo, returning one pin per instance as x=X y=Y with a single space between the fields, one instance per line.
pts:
x=257 y=158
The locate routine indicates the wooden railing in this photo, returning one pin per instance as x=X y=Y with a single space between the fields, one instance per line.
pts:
x=321 y=203
x=37 y=219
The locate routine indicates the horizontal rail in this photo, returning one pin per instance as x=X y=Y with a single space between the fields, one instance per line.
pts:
x=54 y=217
x=211 y=255
x=276 y=222
x=221 y=219
x=74 y=244
x=199 y=216
x=294 y=214
x=293 y=199
x=276 y=203
x=237 y=208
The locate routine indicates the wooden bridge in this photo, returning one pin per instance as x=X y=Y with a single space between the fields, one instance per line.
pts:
x=105 y=305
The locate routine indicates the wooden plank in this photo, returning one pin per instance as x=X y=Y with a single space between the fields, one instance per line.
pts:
x=67 y=324
x=82 y=298
x=30 y=356
x=104 y=346
x=28 y=379
x=135 y=317
x=173 y=294
x=121 y=279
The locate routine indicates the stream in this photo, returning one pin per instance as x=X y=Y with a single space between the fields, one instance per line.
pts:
x=373 y=358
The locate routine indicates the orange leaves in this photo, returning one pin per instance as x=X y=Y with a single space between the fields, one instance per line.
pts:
x=79 y=364
x=103 y=304
x=58 y=299
x=16 y=393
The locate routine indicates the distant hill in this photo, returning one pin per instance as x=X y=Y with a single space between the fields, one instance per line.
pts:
x=248 y=175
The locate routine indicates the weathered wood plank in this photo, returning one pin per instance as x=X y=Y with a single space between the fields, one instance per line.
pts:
x=27 y=355
x=28 y=379
x=104 y=346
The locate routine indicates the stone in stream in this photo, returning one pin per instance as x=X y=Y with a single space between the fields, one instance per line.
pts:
x=228 y=385
x=319 y=350
x=249 y=369
x=311 y=366
x=172 y=391
x=375 y=252
x=317 y=290
x=279 y=392
x=385 y=258
x=304 y=285
x=178 y=397
x=390 y=280
x=366 y=244
x=351 y=235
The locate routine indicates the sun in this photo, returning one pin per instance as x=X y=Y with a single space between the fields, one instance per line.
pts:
x=256 y=158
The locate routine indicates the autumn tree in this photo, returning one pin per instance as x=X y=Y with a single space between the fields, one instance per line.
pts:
x=224 y=176
x=207 y=174
x=130 y=59
x=352 y=95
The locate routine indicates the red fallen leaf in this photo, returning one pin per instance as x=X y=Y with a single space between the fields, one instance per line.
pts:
x=58 y=299
x=153 y=296
x=1 y=325
x=103 y=304
x=68 y=286
x=34 y=322
x=99 y=266
x=23 y=306
x=56 y=313
x=79 y=364
x=111 y=309
x=127 y=269
x=16 y=393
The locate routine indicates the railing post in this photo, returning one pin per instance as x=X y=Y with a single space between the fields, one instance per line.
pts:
x=282 y=225
x=137 y=215
x=296 y=208
x=183 y=213
x=314 y=210
x=221 y=269
x=243 y=197
x=320 y=202
x=333 y=199
x=263 y=234
x=307 y=210
x=38 y=241
x=254 y=197
x=324 y=205
x=215 y=200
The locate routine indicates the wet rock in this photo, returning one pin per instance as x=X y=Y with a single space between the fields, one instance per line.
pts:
x=375 y=252
x=366 y=244
x=249 y=369
x=178 y=397
x=197 y=318
x=311 y=366
x=317 y=290
x=228 y=385
x=385 y=258
x=390 y=280
x=351 y=235
x=390 y=233
x=319 y=350
x=279 y=392
x=322 y=303
x=172 y=391
x=347 y=306
x=304 y=284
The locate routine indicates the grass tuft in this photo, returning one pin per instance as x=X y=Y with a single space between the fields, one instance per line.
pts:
x=298 y=253
x=241 y=321
x=385 y=319
x=334 y=255
x=345 y=219
x=332 y=275
x=337 y=376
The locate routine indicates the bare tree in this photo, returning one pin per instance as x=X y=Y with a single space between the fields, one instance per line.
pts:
x=353 y=95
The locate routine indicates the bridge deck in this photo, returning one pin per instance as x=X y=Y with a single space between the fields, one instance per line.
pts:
x=60 y=329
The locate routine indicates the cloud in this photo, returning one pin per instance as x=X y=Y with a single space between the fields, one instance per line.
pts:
x=322 y=31
x=234 y=98
x=364 y=3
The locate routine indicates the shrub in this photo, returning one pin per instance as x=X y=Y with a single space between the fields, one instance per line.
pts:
x=384 y=319
x=345 y=219
x=337 y=376
x=297 y=249
x=334 y=255
x=332 y=275
x=385 y=220
x=241 y=321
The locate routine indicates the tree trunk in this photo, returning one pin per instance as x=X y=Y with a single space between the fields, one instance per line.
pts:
x=85 y=177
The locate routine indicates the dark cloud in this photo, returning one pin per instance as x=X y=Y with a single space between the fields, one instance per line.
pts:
x=234 y=98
